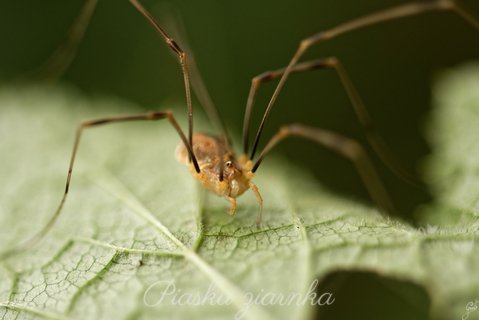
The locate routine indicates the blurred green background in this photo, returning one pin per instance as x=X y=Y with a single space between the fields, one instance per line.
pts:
x=392 y=64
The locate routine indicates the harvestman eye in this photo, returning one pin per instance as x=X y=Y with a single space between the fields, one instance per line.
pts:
x=203 y=154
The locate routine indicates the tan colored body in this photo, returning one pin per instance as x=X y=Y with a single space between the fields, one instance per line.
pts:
x=210 y=151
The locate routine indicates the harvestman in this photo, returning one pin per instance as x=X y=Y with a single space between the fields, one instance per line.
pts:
x=210 y=158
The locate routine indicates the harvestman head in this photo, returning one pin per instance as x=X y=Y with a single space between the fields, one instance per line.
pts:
x=210 y=158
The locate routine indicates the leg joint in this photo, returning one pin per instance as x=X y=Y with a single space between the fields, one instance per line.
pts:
x=155 y=115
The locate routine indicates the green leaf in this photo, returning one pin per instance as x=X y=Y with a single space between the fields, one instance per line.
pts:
x=138 y=239
x=452 y=171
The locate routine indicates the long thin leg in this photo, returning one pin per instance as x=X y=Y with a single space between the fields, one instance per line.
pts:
x=402 y=11
x=265 y=77
x=54 y=67
x=182 y=58
x=346 y=147
x=174 y=23
x=88 y=124
x=374 y=137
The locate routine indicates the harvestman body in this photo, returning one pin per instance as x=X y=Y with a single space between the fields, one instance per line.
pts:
x=211 y=160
